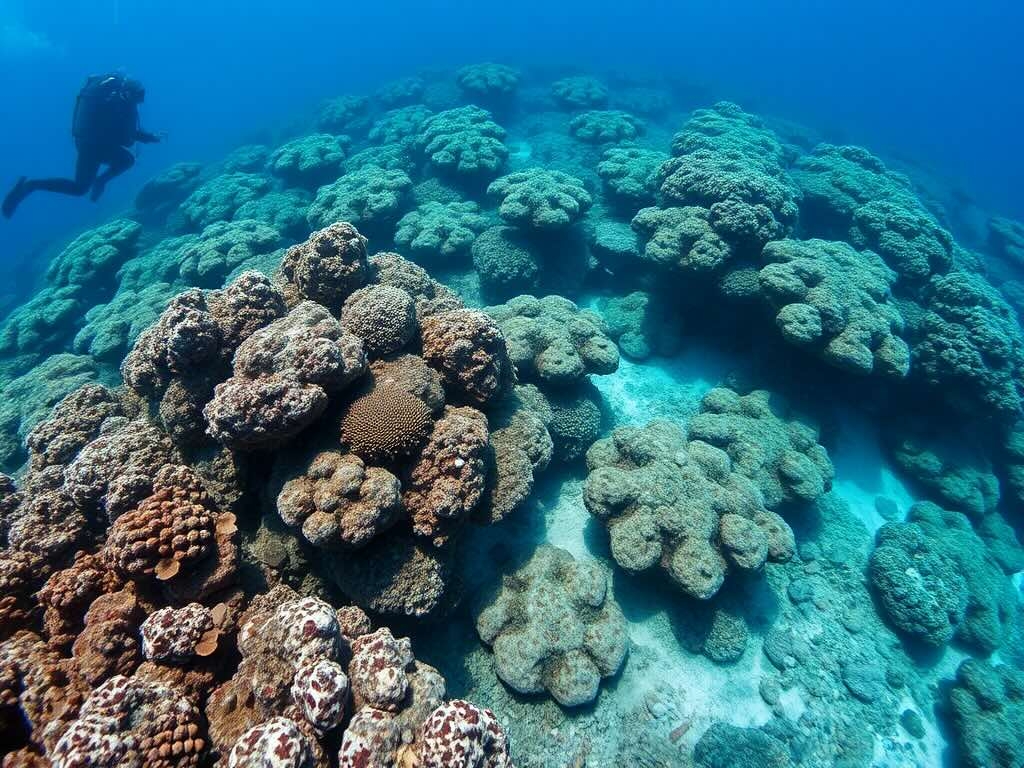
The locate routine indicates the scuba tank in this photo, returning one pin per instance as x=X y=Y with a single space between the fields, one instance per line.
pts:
x=96 y=102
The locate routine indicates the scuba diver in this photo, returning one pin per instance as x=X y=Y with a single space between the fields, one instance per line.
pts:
x=105 y=125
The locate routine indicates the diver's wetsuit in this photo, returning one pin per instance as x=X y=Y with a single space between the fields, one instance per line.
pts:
x=102 y=137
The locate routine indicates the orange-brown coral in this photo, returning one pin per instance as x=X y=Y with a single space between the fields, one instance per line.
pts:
x=385 y=424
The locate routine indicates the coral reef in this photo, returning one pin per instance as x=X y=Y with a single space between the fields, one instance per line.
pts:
x=937 y=580
x=464 y=143
x=552 y=340
x=441 y=234
x=682 y=505
x=782 y=456
x=579 y=92
x=540 y=199
x=554 y=626
x=606 y=126
x=985 y=703
x=630 y=174
x=309 y=161
x=836 y=302
x=371 y=198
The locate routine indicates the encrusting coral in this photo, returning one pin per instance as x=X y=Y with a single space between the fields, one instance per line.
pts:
x=683 y=506
x=554 y=626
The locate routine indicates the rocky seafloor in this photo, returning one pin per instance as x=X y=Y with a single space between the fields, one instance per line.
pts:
x=501 y=417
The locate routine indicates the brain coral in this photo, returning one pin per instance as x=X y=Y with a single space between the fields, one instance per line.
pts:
x=681 y=505
x=385 y=424
x=540 y=199
x=337 y=500
x=836 y=302
x=464 y=142
x=553 y=340
x=782 y=457
x=372 y=198
x=328 y=266
x=554 y=626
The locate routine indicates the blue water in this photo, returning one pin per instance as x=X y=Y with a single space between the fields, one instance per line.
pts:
x=936 y=83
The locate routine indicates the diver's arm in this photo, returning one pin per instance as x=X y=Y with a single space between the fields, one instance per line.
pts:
x=146 y=137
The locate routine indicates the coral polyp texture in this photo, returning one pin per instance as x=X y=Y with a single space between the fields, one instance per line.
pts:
x=670 y=433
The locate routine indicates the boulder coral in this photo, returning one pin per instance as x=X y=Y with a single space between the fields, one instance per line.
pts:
x=371 y=198
x=552 y=340
x=283 y=376
x=579 y=92
x=554 y=626
x=328 y=266
x=488 y=81
x=344 y=114
x=630 y=174
x=400 y=125
x=441 y=233
x=937 y=580
x=968 y=347
x=986 y=703
x=309 y=161
x=725 y=155
x=220 y=197
x=540 y=199
x=469 y=350
x=681 y=505
x=221 y=248
x=464 y=143
x=606 y=126
x=779 y=452
x=835 y=302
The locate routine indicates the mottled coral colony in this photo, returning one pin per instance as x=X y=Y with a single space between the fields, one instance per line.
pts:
x=300 y=406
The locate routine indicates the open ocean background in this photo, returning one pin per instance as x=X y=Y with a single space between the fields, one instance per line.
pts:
x=932 y=82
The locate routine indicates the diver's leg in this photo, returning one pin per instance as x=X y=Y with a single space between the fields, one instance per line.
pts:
x=86 y=168
x=118 y=161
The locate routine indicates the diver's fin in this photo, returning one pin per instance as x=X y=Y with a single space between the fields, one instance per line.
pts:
x=14 y=197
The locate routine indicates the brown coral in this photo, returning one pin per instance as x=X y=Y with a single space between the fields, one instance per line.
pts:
x=447 y=480
x=172 y=527
x=469 y=350
x=339 y=501
x=328 y=266
x=384 y=424
x=67 y=595
x=75 y=420
x=108 y=645
x=19 y=576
